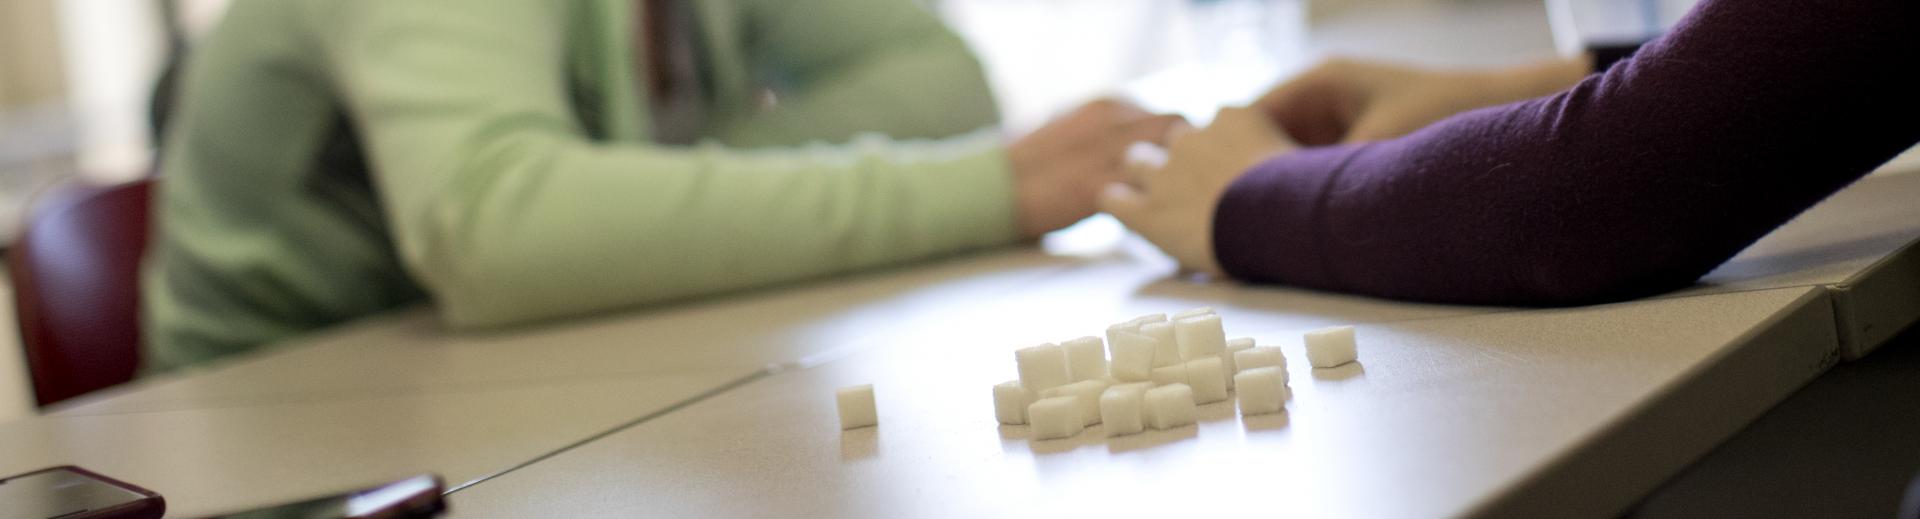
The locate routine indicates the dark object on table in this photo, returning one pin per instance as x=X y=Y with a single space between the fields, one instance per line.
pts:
x=412 y=498
x=70 y=492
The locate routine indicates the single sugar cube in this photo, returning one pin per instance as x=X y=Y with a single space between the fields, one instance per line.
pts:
x=856 y=407
x=1149 y=318
x=1086 y=358
x=1114 y=330
x=1010 y=402
x=1170 y=406
x=1120 y=408
x=1260 y=357
x=1057 y=417
x=1175 y=374
x=1204 y=310
x=1086 y=392
x=1200 y=336
x=1132 y=355
x=1239 y=343
x=1329 y=347
x=1166 y=351
x=1208 y=378
x=1042 y=367
x=1262 y=390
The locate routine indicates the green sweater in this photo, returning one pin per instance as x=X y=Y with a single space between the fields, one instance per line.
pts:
x=336 y=158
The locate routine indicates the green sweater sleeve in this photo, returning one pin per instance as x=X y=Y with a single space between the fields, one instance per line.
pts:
x=506 y=212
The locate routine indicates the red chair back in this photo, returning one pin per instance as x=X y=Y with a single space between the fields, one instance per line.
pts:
x=76 y=279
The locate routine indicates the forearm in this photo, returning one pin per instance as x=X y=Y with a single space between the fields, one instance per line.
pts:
x=1634 y=181
x=565 y=229
x=506 y=211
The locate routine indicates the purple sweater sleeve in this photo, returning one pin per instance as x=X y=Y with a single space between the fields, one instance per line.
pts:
x=1635 y=181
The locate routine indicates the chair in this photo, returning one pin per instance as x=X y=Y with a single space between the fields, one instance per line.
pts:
x=76 y=278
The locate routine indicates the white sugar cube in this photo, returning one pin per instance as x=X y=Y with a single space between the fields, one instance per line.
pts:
x=1132 y=355
x=1010 y=402
x=1200 y=336
x=1260 y=357
x=1120 y=408
x=1208 y=378
x=1057 y=417
x=1166 y=351
x=1086 y=358
x=1262 y=390
x=1175 y=374
x=856 y=407
x=1239 y=343
x=1042 y=367
x=1086 y=392
x=1204 y=310
x=1170 y=406
x=1329 y=347
x=1149 y=318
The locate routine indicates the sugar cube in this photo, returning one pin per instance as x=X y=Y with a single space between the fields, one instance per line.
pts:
x=1132 y=355
x=1042 y=367
x=1086 y=392
x=1208 y=378
x=1200 y=336
x=1120 y=408
x=1260 y=357
x=1086 y=358
x=1166 y=350
x=1010 y=402
x=1169 y=406
x=1149 y=318
x=856 y=407
x=1329 y=347
x=1262 y=390
x=1175 y=374
x=1204 y=310
x=1057 y=417
x=1239 y=343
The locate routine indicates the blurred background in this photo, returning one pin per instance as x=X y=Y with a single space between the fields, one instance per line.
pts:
x=77 y=77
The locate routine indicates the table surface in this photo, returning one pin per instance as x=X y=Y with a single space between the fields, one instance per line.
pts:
x=1439 y=416
x=723 y=406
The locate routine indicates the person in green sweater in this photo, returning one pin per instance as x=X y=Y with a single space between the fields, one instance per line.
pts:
x=521 y=160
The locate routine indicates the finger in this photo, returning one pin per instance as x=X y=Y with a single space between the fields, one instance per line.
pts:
x=1123 y=202
x=1153 y=129
x=1310 y=108
x=1177 y=133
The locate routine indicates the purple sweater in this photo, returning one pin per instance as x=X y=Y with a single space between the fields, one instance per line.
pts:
x=1637 y=180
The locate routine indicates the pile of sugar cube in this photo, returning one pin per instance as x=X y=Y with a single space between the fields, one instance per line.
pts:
x=1153 y=371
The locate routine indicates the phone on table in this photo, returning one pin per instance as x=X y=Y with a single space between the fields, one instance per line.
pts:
x=411 y=498
x=69 y=492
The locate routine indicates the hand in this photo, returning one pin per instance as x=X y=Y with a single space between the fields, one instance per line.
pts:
x=1351 y=101
x=1058 y=170
x=1174 y=206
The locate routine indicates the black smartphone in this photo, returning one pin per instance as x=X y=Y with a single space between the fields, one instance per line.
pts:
x=70 y=492
x=414 y=497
